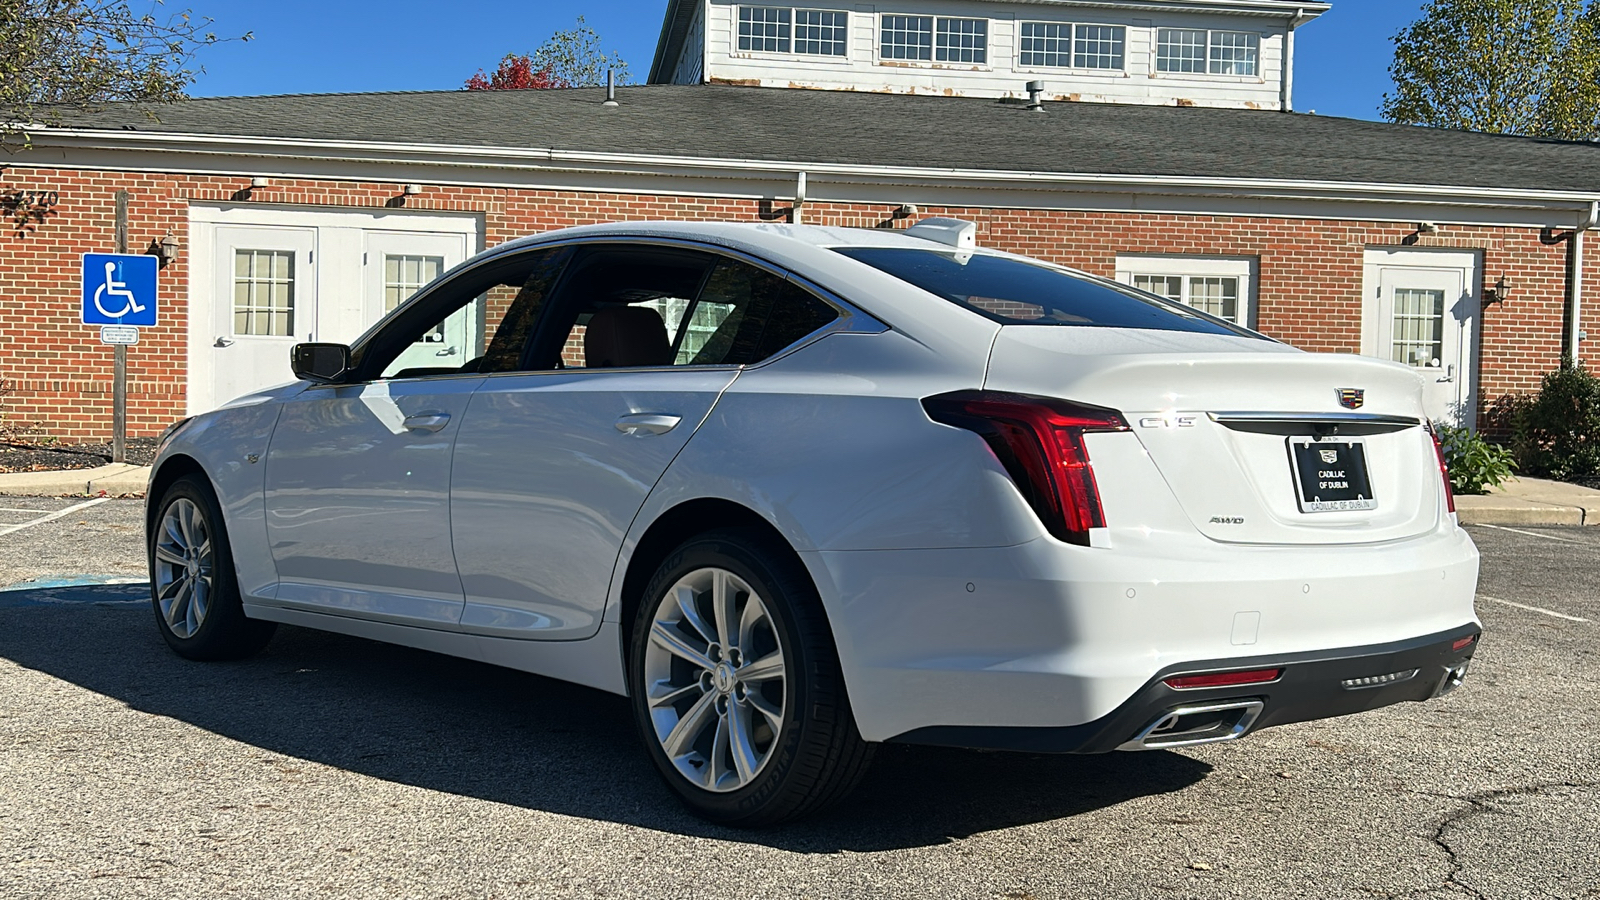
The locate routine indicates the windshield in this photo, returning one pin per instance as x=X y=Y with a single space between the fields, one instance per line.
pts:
x=1017 y=292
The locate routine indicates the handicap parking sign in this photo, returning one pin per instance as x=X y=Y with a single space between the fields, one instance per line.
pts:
x=119 y=289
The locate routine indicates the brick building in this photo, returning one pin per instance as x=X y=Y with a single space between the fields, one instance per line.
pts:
x=289 y=218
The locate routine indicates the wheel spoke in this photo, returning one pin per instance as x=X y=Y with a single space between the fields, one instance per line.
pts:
x=719 y=751
x=200 y=601
x=669 y=640
x=773 y=715
x=745 y=759
x=180 y=602
x=170 y=525
x=764 y=669
x=672 y=695
x=186 y=523
x=683 y=734
x=754 y=612
x=686 y=600
x=169 y=557
x=204 y=550
x=722 y=598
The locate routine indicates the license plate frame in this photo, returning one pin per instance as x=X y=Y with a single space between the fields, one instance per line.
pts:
x=1324 y=485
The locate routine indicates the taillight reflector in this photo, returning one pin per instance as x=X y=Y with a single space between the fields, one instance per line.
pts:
x=1444 y=469
x=1223 y=679
x=1463 y=642
x=1039 y=441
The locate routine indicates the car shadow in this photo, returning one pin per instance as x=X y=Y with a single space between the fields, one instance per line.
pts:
x=476 y=730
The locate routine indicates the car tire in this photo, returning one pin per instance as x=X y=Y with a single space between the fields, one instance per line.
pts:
x=764 y=734
x=193 y=587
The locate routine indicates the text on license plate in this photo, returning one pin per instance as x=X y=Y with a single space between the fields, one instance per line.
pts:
x=1331 y=475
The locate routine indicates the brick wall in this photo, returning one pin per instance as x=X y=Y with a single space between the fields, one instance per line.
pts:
x=1308 y=293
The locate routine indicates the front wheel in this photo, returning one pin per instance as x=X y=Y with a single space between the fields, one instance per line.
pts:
x=192 y=583
x=736 y=685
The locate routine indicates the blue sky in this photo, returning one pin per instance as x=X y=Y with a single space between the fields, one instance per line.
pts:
x=302 y=46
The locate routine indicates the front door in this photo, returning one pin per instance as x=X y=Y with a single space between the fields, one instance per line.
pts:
x=265 y=303
x=1422 y=313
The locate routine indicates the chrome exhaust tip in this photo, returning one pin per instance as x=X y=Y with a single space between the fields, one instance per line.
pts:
x=1200 y=724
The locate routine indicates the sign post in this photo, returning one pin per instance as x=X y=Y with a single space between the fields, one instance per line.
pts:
x=119 y=290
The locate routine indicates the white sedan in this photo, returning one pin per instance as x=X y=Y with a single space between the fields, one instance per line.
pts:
x=797 y=491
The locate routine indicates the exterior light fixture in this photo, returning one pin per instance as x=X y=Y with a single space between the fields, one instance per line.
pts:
x=260 y=181
x=167 y=249
x=411 y=190
x=1499 y=293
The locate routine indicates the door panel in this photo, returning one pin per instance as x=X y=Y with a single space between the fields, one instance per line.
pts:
x=266 y=290
x=357 y=500
x=1425 y=318
x=550 y=470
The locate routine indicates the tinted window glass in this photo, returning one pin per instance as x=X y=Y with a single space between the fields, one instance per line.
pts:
x=760 y=314
x=1015 y=292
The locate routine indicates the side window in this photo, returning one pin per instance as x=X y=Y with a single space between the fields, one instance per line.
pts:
x=628 y=307
x=485 y=315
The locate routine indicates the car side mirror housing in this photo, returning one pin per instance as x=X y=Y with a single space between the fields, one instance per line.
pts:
x=322 y=363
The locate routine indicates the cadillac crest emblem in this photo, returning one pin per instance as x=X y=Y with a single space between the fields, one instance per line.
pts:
x=1352 y=398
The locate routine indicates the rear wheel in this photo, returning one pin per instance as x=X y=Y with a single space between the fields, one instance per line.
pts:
x=192 y=584
x=736 y=685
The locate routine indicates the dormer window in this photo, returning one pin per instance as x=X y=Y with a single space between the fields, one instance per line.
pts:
x=1198 y=51
x=934 y=39
x=786 y=29
x=1066 y=46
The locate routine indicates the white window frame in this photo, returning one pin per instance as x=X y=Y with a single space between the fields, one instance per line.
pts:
x=933 y=61
x=1244 y=268
x=1072 y=48
x=788 y=51
x=1205 y=54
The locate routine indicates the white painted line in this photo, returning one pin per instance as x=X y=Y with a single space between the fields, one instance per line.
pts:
x=20 y=509
x=1537 y=609
x=1548 y=537
x=7 y=529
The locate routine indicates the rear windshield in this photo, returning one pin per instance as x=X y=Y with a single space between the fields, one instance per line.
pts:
x=1015 y=292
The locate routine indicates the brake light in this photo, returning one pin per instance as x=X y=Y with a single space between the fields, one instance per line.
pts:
x=1444 y=469
x=1223 y=679
x=1039 y=441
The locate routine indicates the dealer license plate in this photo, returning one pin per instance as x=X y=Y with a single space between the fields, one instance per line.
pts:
x=1331 y=476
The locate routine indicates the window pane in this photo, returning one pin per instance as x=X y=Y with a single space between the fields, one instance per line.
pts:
x=764 y=29
x=263 y=292
x=1418 y=338
x=1168 y=286
x=1046 y=44
x=1098 y=47
x=1181 y=50
x=963 y=40
x=1234 y=52
x=820 y=32
x=1218 y=296
x=757 y=314
x=1017 y=292
x=906 y=37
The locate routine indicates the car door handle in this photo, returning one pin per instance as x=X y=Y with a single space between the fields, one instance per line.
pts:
x=432 y=421
x=647 y=423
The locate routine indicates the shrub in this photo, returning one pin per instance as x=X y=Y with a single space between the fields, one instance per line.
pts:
x=1475 y=464
x=1556 y=433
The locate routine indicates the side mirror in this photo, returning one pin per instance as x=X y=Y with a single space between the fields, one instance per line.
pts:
x=322 y=363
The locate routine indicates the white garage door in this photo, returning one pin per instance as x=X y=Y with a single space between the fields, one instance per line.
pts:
x=263 y=280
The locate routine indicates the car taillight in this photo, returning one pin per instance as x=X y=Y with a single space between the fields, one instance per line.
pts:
x=1223 y=679
x=1444 y=469
x=1039 y=441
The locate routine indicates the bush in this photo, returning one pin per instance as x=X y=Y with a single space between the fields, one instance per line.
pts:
x=1556 y=433
x=1475 y=464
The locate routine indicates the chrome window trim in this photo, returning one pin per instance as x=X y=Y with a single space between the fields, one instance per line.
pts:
x=1312 y=418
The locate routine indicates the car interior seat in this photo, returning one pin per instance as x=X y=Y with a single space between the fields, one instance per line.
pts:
x=625 y=336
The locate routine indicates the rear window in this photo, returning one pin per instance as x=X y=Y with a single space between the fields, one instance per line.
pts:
x=1015 y=292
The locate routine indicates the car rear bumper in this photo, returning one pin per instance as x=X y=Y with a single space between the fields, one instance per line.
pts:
x=1314 y=685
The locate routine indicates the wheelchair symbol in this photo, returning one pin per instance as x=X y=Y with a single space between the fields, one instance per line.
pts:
x=115 y=288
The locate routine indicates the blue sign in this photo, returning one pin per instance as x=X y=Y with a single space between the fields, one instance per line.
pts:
x=119 y=289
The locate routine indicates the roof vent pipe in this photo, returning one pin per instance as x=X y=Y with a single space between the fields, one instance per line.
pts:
x=799 y=198
x=611 y=91
x=1035 y=88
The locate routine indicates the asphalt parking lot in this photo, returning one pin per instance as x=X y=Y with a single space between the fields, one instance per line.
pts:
x=335 y=767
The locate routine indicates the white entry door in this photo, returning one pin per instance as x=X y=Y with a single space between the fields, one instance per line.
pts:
x=397 y=265
x=1425 y=316
x=266 y=293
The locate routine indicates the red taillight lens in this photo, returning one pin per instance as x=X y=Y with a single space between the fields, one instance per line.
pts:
x=1223 y=679
x=1463 y=642
x=1444 y=469
x=1039 y=441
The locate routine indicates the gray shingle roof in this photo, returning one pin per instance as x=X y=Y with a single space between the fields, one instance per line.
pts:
x=807 y=126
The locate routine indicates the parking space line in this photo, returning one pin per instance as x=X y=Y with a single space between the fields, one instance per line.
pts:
x=20 y=509
x=7 y=529
x=1537 y=609
x=1548 y=537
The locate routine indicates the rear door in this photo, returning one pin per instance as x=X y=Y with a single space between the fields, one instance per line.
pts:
x=554 y=461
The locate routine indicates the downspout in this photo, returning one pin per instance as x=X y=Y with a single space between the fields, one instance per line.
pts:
x=1286 y=92
x=1575 y=333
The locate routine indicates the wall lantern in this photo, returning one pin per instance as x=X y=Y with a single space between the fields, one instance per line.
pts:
x=1499 y=293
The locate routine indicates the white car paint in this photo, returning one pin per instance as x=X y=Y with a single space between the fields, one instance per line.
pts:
x=950 y=603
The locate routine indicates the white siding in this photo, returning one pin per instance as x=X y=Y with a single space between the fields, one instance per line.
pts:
x=691 y=62
x=1002 y=75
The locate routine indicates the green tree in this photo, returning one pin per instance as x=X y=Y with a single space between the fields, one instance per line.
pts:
x=1528 y=67
x=58 y=55
x=570 y=58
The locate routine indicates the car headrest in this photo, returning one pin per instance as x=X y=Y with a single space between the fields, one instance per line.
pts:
x=623 y=336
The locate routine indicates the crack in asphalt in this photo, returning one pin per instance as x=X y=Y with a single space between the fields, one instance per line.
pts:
x=1477 y=804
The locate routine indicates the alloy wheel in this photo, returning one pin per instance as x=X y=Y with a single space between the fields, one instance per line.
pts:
x=715 y=679
x=184 y=568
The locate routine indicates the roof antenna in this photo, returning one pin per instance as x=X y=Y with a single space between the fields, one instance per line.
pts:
x=611 y=91
x=1035 y=88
